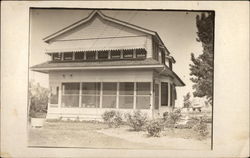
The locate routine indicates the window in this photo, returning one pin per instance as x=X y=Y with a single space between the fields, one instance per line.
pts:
x=90 y=55
x=155 y=50
x=170 y=65
x=172 y=95
x=126 y=95
x=109 y=95
x=103 y=54
x=54 y=95
x=56 y=57
x=90 y=95
x=156 y=96
x=140 y=53
x=68 y=56
x=128 y=54
x=70 y=96
x=164 y=94
x=115 y=54
x=79 y=56
x=162 y=57
x=143 y=95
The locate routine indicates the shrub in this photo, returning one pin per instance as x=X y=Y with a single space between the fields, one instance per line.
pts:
x=38 y=97
x=186 y=100
x=137 y=120
x=165 y=116
x=112 y=118
x=154 y=128
x=172 y=118
x=201 y=127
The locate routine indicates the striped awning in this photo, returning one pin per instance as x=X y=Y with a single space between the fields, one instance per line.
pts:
x=112 y=43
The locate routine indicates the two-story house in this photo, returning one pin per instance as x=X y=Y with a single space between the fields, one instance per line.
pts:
x=100 y=63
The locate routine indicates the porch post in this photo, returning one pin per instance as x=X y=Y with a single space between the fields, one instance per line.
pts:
x=101 y=92
x=60 y=96
x=134 y=103
x=80 y=95
x=117 y=95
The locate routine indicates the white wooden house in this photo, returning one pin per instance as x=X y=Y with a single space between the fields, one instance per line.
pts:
x=100 y=63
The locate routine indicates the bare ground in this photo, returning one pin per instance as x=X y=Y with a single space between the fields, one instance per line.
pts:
x=98 y=135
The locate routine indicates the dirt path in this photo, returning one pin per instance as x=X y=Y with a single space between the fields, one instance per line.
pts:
x=163 y=142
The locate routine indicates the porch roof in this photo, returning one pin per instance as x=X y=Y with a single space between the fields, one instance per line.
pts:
x=46 y=66
x=91 y=65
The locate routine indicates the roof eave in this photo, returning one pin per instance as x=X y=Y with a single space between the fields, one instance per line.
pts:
x=54 y=35
x=47 y=69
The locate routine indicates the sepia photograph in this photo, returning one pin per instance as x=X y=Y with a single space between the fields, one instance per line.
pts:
x=124 y=79
x=127 y=79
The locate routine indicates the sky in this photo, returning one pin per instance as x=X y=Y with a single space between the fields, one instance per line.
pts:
x=177 y=30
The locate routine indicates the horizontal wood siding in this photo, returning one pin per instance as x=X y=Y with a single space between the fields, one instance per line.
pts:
x=102 y=76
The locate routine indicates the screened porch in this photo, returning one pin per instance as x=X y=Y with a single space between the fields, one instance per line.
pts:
x=112 y=95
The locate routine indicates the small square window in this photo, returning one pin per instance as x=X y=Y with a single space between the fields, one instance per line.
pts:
x=140 y=53
x=56 y=56
x=115 y=54
x=90 y=55
x=67 y=56
x=127 y=54
x=79 y=56
x=103 y=55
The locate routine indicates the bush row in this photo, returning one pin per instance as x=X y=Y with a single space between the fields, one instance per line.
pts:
x=139 y=121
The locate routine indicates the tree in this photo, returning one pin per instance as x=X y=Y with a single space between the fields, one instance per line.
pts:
x=186 y=99
x=202 y=67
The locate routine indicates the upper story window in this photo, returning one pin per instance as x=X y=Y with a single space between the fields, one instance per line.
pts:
x=57 y=57
x=79 y=56
x=90 y=55
x=170 y=65
x=141 y=53
x=128 y=53
x=115 y=54
x=101 y=55
x=67 y=56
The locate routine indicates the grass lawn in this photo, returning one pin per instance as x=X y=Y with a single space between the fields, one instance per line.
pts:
x=98 y=135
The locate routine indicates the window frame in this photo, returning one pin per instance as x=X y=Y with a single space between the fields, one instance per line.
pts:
x=167 y=95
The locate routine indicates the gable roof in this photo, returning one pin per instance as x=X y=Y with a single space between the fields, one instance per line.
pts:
x=110 y=19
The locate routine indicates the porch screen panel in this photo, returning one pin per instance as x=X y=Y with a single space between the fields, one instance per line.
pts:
x=164 y=94
x=90 y=94
x=156 y=96
x=70 y=97
x=126 y=95
x=143 y=95
x=109 y=95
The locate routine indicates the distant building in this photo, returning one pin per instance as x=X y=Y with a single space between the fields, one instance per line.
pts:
x=100 y=63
